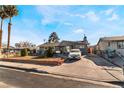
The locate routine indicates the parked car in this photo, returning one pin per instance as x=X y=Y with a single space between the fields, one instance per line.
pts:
x=74 y=54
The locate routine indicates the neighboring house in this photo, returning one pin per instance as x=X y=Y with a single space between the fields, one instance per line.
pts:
x=115 y=43
x=4 y=48
x=25 y=44
x=43 y=47
x=65 y=46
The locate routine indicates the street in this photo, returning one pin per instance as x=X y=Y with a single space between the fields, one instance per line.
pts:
x=89 y=68
x=16 y=78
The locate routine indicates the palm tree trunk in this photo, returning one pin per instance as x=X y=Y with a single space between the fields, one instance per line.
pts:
x=1 y=30
x=9 y=30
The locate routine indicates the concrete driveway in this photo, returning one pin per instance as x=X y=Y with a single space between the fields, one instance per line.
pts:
x=91 y=67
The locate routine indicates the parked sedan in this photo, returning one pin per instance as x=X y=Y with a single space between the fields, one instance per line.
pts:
x=74 y=54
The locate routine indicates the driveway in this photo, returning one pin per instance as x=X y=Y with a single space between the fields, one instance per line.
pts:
x=93 y=68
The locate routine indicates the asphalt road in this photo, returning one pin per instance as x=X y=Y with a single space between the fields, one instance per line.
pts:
x=22 y=79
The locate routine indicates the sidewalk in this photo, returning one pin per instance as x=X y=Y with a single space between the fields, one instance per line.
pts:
x=83 y=69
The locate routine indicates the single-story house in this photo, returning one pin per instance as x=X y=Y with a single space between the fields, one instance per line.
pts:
x=64 y=46
x=115 y=43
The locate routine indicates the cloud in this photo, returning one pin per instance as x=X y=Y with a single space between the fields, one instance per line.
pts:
x=113 y=17
x=52 y=13
x=68 y=24
x=47 y=13
x=79 y=31
x=92 y=16
x=80 y=15
x=109 y=11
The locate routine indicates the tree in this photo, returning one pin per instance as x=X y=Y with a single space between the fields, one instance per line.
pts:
x=25 y=44
x=2 y=16
x=53 y=38
x=10 y=11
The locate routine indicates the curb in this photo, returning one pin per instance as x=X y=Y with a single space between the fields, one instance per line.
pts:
x=26 y=69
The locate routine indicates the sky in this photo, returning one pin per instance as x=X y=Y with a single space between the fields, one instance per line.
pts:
x=35 y=23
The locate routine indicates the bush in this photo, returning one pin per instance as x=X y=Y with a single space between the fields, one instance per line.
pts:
x=18 y=54
x=49 y=52
x=24 y=52
x=46 y=54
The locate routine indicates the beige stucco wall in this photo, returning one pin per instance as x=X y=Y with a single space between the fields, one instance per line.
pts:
x=113 y=45
x=102 y=45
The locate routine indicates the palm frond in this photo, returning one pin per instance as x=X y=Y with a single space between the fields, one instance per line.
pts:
x=10 y=10
x=2 y=13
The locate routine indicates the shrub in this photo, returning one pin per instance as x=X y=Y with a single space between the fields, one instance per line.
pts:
x=49 y=52
x=24 y=52
x=18 y=54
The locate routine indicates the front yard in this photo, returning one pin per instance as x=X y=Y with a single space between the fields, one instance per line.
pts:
x=35 y=60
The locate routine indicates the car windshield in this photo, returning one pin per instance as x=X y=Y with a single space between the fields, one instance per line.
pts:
x=74 y=50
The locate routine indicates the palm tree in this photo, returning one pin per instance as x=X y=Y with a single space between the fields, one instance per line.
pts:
x=10 y=11
x=2 y=16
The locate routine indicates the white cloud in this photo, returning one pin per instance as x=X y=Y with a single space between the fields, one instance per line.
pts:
x=109 y=11
x=52 y=13
x=47 y=13
x=92 y=16
x=68 y=24
x=113 y=17
x=80 y=15
x=79 y=31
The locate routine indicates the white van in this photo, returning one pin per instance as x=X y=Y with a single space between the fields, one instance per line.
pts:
x=74 y=54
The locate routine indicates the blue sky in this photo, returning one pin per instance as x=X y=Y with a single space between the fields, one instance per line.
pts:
x=35 y=23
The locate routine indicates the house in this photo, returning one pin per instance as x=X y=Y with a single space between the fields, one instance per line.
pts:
x=65 y=46
x=46 y=46
x=115 y=43
x=26 y=45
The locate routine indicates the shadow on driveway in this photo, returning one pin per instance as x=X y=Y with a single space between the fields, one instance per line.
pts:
x=99 y=61
x=121 y=83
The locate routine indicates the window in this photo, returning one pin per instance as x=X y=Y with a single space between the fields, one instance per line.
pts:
x=120 y=44
x=108 y=43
